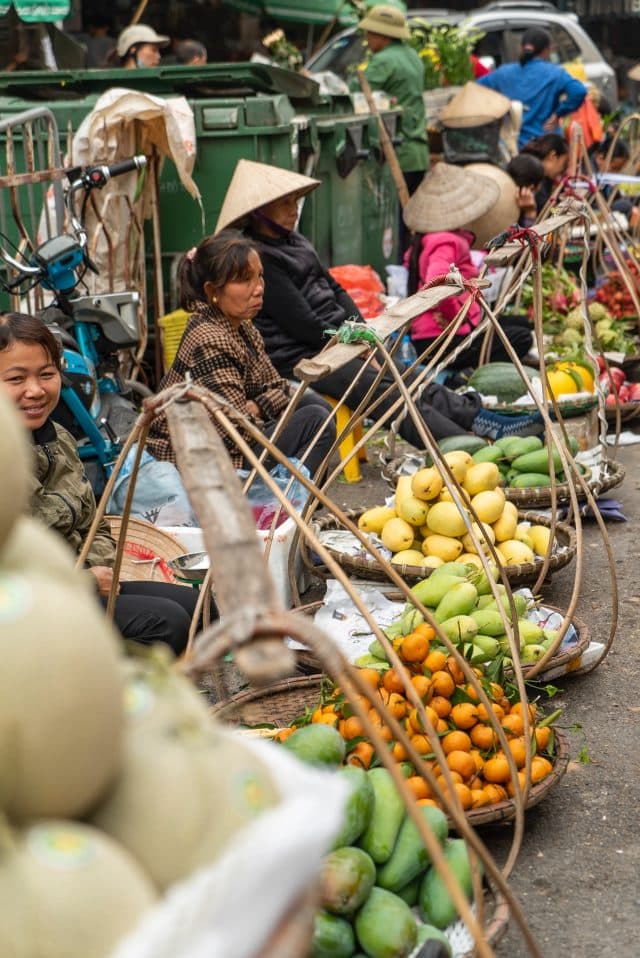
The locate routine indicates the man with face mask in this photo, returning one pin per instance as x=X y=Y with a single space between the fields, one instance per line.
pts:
x=139 y=47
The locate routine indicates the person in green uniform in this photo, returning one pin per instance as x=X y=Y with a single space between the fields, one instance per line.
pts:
x=396 y=68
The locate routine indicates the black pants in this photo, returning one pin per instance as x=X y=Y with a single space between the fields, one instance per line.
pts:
x=445 y=413
x=517 y=330
x=150 y=612
x=305 y=424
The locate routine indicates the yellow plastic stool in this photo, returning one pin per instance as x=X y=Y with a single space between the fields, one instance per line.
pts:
x=351 y=468
x=172 y=326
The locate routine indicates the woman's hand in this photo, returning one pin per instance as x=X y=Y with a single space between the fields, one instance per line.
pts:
x=104 y=578
x=253 y=410
x=551 y=124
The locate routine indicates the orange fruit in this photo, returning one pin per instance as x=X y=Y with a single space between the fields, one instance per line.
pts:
x=421 y=744
x=440 y=705
x=435 y=661
x=441 y=726
x=361 y=754
x=542 y=737
x=397 y=705
x=392 y=681
x=522 y=778
x=471 y=692
x=518 y=708
x=455 y=670
x=462 y=762
x=443 y=684
x=455 y=776
x=419 y=787
x=427 y=801
x=540 y=768
x=328 y=709
x=483 y=736
x=316 y=715
x=399 y=752
x=464 y=715
x=426 y=631
x=414 y=647
x=456 y=741
x=478 y=759
x=464 y=794
x=370 y=677
x=496 y=710
x=518 y=749
x=513 y=724
x=479 y=798
x=283 y=734
x=353 y=727
x=497 y=691
x=384 y=695
x=329 y=718
x=416 y=721
x=495 y=793
x=496 y=770
x=422 y=685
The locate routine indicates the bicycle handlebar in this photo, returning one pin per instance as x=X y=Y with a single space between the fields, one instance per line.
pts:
x=95 y=177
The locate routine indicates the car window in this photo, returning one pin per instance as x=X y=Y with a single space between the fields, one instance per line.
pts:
x=491 y=45
x=503 y=43
x=346 y=51
x=563 y=46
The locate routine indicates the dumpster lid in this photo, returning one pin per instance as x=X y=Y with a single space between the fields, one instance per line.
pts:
x=208 y=80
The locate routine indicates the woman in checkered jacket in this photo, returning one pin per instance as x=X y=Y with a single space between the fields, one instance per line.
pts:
x=222 y=285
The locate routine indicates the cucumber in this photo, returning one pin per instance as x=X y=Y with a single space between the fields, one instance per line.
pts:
x=332 y=937
x=346 y=879
x=410 y=857
x=381 y=833
x=530 y=480
x=359 y=807
x=436 y=905
x=385 y=925
x=538 y=461
x=317 y=744
x=502 y=380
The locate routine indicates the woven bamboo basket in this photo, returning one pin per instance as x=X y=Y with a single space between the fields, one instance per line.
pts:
x=368 y=568
x=628 y=412
x=308 y=662
x=279 y=704
x=147 y=552
x=568 y=407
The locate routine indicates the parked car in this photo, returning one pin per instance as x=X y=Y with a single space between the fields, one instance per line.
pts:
x=502 y=22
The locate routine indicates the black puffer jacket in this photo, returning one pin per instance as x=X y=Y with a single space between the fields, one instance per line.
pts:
x=301 y=301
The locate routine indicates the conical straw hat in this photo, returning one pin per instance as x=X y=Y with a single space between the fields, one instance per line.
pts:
x=448 y=198
x=254 y=185
x=474 y=105
x=503 y=213
x=634 y=72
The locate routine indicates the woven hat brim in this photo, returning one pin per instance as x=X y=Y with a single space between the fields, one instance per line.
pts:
x=474 y=105
x=371 y=25
x=431 y=211
x=503 y=213
x=254 y=185
x=634 y=72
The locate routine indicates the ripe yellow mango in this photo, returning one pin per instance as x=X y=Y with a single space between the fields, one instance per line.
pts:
x=407 y=557
x=522 y=534
x=431 y=562
x=539 y=536
x=374 y=519
x=484 y=533
x=480 y=477
x=489 y=505
x=445 y=495
x=505 y=527
x=445 y=519
x=426 y=484
x=403 y=489
x=471 y=558
x=413 y=510
x=515 y=552
x=446 y=548
x=397 y=535
x=458 y=463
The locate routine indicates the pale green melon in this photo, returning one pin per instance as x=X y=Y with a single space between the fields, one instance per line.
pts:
x=15 y=467
x=33 y=547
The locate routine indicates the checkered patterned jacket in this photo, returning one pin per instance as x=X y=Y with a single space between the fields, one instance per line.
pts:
x=229 y=361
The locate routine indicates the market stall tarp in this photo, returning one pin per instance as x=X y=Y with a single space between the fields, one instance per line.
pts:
x=303 y=11
x=38 y=11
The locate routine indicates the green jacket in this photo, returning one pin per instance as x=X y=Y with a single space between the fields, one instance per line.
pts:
x=398 y=71
x=62 y=497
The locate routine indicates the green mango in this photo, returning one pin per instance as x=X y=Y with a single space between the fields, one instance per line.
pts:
x=346 y=879
x=531 y=653
x=410 y=857
x=432 y=591
x=377 y=650
x=461 y=569
x=459 y=600
x=530 y=480
x=410 y=891
x=379 y=837
x=538 y=461
x=521 y=445
x=369 y=661
x=316 y=744
x=436 y=905
x=519 y=602
x=489 y=621
x=482 y=581
x=359 y=806
x=488 y=454
x=385 y=925
x=530 y=632
x=332 y=937
x=430 y=933
x=459 y=629
x=485 y=649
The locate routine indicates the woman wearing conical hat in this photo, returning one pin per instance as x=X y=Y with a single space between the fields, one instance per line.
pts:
x=302 y=302
x=451 y=206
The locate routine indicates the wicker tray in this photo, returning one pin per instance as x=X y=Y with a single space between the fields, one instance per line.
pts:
x=369 y=568
x=308 y=662
x=628 y=411
x=280 y=703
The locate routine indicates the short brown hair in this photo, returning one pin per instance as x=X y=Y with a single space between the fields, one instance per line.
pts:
x=23 y=328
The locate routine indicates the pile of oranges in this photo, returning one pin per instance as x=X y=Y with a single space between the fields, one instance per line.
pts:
x=479 y=767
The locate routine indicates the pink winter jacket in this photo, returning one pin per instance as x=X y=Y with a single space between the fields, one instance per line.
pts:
x=439 y=251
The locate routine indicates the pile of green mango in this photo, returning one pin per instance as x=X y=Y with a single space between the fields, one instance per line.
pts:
x=379 y=876
x=462 y=602
x=524 y=461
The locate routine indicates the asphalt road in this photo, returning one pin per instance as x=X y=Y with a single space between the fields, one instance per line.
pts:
x=577 y=874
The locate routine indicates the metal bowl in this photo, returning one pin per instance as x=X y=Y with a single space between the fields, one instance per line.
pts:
x=192 y=566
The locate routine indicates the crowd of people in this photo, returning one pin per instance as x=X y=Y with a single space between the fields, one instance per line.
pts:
x=261 y=301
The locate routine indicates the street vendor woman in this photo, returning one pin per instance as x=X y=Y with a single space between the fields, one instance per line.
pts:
x=303 y=303
x=61 y=495
x=222 y=286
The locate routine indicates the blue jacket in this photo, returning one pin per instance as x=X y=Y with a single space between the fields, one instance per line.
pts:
x=539 y=85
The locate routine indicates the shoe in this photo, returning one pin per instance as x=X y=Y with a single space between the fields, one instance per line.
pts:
x=495 y=424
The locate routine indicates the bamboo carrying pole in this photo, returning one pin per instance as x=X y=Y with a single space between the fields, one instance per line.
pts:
x=385 y=141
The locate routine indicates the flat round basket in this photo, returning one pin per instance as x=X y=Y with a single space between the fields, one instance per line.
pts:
x=147 y=551
x=568 y=407
x=280 y=703
x=628 y=411
x=308 y=661
x=366 y=567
